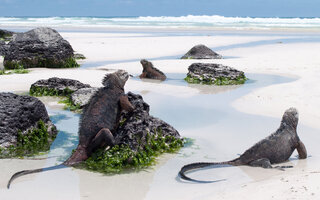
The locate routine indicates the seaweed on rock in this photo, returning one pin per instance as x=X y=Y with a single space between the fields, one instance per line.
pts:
x=34 y=141
x=39 y=62
x=217 y=81
x=121 y=157
x=214 y=74
x=140 y=139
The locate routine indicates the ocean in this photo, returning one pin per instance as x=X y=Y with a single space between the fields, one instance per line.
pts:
x=165 y=22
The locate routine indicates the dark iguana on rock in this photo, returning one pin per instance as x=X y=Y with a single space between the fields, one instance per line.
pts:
x=276 y=148
x=149 y=71
x=99 y=120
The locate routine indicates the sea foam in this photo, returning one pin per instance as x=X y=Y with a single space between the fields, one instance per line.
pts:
x=189 y=21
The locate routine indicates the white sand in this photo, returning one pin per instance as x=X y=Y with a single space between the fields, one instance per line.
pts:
x=298 y=60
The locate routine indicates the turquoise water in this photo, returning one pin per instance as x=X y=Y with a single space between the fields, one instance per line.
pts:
x=67 y=123
x=189 y=21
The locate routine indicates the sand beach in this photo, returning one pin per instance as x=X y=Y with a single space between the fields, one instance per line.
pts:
x=283 y=70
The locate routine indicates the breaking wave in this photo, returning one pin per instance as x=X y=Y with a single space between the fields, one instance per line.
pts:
x=189 y=21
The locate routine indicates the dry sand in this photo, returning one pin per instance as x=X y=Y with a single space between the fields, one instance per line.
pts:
x=298 y=59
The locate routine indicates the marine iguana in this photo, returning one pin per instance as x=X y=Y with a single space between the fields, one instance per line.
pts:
x=149 y=71
x=100 y=118
x=276 y=148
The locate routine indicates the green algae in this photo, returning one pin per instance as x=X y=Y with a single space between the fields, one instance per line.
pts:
x=79 y=56
x=45 y=91
x=66 y=94
x=189 y=57
x=218 y=81
x=18 y=69
x=38 y=62
x=35 y=141
x=122 y=158
x=69 y=105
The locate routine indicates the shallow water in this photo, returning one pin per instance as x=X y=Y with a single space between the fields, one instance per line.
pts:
x=219 y=131
x=67 y=123
x=207 y=108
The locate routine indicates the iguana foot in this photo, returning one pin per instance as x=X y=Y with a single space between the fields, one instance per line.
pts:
x=302 y=151
x=125 y=103
x=103 y=138
x=79 y=155
x=262 y=162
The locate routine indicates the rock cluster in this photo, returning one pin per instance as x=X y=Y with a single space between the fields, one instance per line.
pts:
x=135 y=126
x=21 y=114
x=218 y=74
x=40 y=47
x=201 y=52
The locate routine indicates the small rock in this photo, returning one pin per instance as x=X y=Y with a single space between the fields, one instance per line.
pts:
x=201 y=52
x=82 y=96
x=79 y=56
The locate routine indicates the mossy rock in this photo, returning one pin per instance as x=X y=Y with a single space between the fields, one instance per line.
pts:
x=39 y=47
x=39 y=62
x=141 y=138
x=214 y=74
x=218 y=81
x=65 y=94
x=46 y=91
x=36 y=140
x=122 y=158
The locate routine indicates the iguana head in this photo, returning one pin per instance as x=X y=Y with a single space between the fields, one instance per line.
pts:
x=118 y=78
x=290 y=118
x=145 y=64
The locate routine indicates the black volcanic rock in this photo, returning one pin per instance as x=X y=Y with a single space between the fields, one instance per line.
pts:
x=82 y=96
x=4 y=34
x=21 y=113
x=135 y=126
x=5 y=37
x=201 y=52
x=40 y=47
x=2 y=47
x=217 y=74
x=56 y=87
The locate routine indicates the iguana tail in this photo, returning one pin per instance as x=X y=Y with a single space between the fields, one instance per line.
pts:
x=199 y=165
x=25 y=172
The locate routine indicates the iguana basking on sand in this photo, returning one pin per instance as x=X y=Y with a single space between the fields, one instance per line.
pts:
x=99 y=120
x=276 y=148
